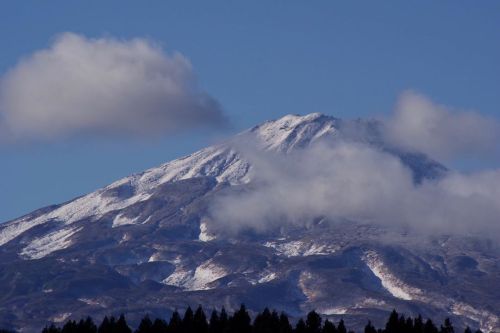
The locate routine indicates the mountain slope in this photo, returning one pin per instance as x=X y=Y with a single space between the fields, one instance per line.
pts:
x=143 y=244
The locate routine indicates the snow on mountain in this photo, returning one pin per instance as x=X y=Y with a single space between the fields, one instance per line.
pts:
x=144 y=243
x=391 y=283
x=301 y=248
x=205 y=235
x=220 y=161
x=51 y=242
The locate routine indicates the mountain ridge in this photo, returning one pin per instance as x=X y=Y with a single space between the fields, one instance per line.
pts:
x=143 y=243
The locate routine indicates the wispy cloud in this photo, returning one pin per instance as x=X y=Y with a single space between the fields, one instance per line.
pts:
x=441 y=132
x=356 y=182
x=346 y=179
x=102 y=86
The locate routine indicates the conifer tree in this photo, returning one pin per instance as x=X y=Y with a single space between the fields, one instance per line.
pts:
x=159 y=326
x=70 y=327
x=145 y=326
x=409 y=325
x=214 y=323
x=447 y=327
x=188 y=321
x=224 y=320
x=418 y=325
x=86 y=326
x=241 y=321
x=105 y=326
x=175 y=324
x=369 y=328
x=429 y=327
x=48 y=329
x=262 y=322
x=313 y=322
x=329 y=327
x=121 y=325
x=392 y=325
x=285 y=326
x=341 y=327
x=200 y=324
x=275 y=322
x=301 y=326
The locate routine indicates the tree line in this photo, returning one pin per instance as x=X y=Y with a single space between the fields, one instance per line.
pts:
x=240 y=322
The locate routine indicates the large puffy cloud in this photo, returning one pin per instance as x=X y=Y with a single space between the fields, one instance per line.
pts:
x=441 y=132
x=355 y=181
x=102 y=86
x=360 y=183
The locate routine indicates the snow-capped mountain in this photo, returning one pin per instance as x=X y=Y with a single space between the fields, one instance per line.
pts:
x=144 y=244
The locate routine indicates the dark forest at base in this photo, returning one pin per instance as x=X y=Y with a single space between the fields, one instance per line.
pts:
x=240 y=322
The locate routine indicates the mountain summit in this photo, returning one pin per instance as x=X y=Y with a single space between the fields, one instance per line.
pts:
x=145 y=244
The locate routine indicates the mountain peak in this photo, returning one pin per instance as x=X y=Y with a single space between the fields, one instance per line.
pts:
x=151 y=229
x=294 y=131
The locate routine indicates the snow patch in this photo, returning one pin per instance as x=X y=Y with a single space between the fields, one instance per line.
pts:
x=200 y=279
x=94 y=205
x=205 y=235
x=205 y=274
x=268 y=277
x=120 y=220
x=181 y=278
x=390 y=282
x=51 y=242
x=155 y=257
x=92 y=302
x=301 y=248
x=333 y=311
x=61 y=317
x=307 y=284
x=488 y=321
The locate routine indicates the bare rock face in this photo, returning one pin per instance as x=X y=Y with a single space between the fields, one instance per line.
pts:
x=144 y=244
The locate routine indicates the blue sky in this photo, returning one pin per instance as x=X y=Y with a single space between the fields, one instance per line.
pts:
x=260 y=60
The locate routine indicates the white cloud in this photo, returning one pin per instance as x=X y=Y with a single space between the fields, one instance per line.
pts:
x=102 y=86
x=359 y=183
x=439 y=131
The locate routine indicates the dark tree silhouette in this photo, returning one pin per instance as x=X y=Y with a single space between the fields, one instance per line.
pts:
x=447 y=327
x=224 y=320
x=240 y=322
x=429 y=327
x=48 y=329
x=329 y=327
x=105 y=326
x=393 y=324
x=301 y=326
x=121 y=325
x=262 y=322
x=285 y=326
x=188 y=321
x=313 y=322
x=369 y=328
x=175 y=324
x=200 y=324
x=214 y=325
x=341 y=326
x=418 y=325
x=159 y=326
x=86 y=325
x=145 y=326
x=70 y=327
